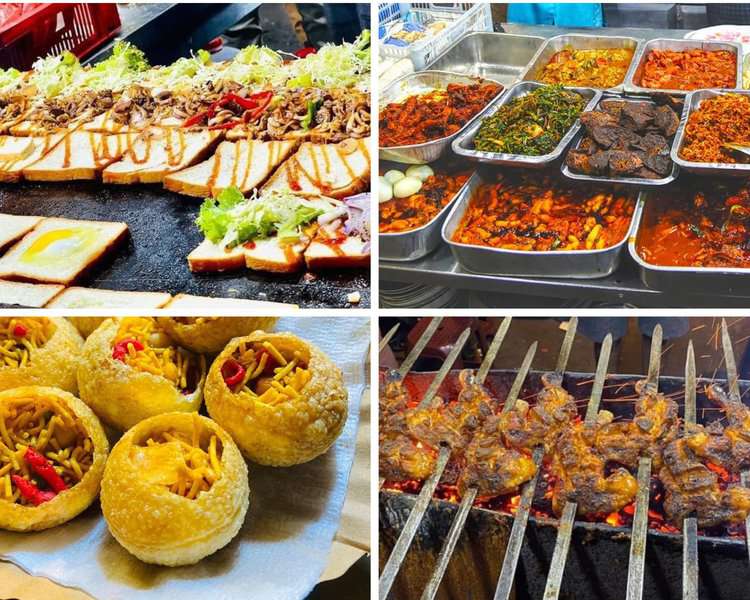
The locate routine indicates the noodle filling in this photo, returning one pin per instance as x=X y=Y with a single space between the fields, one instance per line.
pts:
x=19 y=337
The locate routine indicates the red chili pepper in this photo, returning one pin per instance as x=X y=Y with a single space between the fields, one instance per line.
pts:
x=30 y=492
x=295 y=186
x=42 y=467
x=233 y=372
x=20 y=331
x=120 y=350
x=302 y=52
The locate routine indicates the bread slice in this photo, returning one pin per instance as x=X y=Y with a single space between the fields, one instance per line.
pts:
x=334 y=170
x=81 y=155
x=81 y=297
x=14 y=227
x=245 y=164
x=158 y=152
x=348 y=254
x=104 y=123
x=188 y=302
x=270 y=254
x=59 y=250
x=17 y=153
x=34 y=295
x=210 y=257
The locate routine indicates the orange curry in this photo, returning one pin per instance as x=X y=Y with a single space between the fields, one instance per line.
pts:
x=689 y=69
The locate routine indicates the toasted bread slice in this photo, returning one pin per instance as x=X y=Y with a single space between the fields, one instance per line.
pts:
x=188 y=302
x=245 y=164
x=350 y=253
x=105 y=123
x=210 y=257
x=14 y=227
x=59 y=250
x=36 y=129
x=34 y=295
x=81 y=297
x=158 y=152
x=270 y=254
x=81 y=155
x=334 y=170
x=17 y=153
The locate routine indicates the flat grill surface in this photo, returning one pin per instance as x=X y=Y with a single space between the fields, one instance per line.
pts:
x=162 y=234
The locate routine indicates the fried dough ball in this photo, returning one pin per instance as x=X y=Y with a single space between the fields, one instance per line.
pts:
x=209 y=335
x=282 y=399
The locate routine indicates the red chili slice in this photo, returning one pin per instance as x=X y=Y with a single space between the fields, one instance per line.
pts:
x=233 y=372
x=44 y=468
x=302 y=52
x=120 y=349
x=20 y=331
x=30 y=492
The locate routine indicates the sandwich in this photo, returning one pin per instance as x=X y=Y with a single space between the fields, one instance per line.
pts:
x=14 y=227
x=270 y=231
x=158 y=152
x=17 y=153
x=244 y=164
x=81 y=155
x=333 y=170
x=342 y=239
x=60 y=250
x=35 y=295
x=81 y=297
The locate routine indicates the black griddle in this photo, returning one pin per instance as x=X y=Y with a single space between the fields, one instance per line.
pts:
x=162 y=234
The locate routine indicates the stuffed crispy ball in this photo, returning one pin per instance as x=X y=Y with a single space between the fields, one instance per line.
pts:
x=52 y=459
x=132 y=369
x=175 y=489
x=283 y=401
x=209 y=335
x=86 y=325
x=39 y=351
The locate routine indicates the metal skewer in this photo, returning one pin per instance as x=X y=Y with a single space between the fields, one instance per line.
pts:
x=639 y=533
x=690 y=524
x=521 y=519
x=411 y=358
x=387 y=337
x=567 y=520
x=431 y=589
x=401 y=547
x=734 y=396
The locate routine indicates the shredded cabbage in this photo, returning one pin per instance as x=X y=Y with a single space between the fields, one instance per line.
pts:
x=9 y=79
x=184 y=72
x=255 y=64
x=54 y=74
x=231 y=220
x=123 y=67
x=342 y=65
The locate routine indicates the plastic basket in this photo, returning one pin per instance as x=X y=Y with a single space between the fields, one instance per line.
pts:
x=463 y=17
x=52 y=28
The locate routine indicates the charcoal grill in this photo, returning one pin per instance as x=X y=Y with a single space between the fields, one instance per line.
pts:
x=458 y=551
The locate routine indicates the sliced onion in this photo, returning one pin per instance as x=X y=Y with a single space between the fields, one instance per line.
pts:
x=393 y=176
x=385 y=190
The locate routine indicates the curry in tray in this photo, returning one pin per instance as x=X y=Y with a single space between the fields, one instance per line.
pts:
x=591 y=67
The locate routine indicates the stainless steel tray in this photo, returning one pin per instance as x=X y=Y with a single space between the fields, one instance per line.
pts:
x=632 y=83
x=463 y=144
x=575 y=264
x=729 y=281
x=502 y=57
x=637 y=181
x=581 y=42
x=418 y=83
x=692 y=103
x=417 y=243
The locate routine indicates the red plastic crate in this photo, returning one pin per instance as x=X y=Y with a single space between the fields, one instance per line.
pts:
x=37 y=30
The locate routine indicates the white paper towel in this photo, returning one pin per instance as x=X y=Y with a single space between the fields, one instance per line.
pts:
x=283 y=546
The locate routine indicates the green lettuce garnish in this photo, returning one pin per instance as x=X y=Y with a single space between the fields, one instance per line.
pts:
x=125 y=66
x=232 y=220
x=255 y=64
x=54 y=74
x=9 y=79
x=184 y=72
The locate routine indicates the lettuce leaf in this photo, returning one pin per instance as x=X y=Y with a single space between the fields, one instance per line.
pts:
x=184 y=72
x=255 y=64
x=9 y=79
x=53 y=74
x=232 y=220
